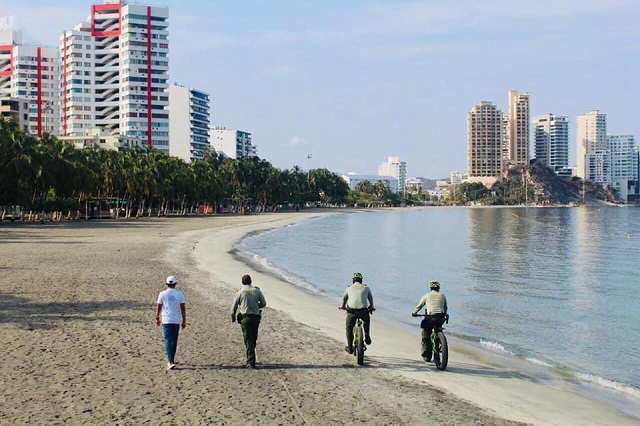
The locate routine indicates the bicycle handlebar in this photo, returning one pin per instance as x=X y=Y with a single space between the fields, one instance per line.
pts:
x=446 y=317
x=347 y=308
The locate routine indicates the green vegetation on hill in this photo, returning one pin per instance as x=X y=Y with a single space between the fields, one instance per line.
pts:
x=534 y=184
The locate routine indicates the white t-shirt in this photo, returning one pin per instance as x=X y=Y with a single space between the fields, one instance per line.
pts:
x=170 y=299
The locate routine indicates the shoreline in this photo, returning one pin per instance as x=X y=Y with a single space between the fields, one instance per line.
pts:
x=81 y=345
x=465 y=353
x=617 y=395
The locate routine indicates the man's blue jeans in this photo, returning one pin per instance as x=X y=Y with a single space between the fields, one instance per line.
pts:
x=170 y=335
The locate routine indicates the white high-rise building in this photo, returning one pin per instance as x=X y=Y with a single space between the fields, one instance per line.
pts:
x=485 y=136
x=232 y=143
x=115 y=71
x=591 y=135
x=29 y=75
x=188 y=122
x=623 y=162
x=634 y=188
x=551 y=140
x=598 y=166
x=395 y=168
x=517 y=137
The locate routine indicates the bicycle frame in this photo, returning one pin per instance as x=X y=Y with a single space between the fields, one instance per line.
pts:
x=439 y=345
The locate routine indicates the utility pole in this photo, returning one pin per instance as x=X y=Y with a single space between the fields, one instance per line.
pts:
x=526 y=187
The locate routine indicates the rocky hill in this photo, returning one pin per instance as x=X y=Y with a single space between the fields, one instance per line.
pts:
x=537 y=184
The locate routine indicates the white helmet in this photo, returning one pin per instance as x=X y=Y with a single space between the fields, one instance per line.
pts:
x=172 y=280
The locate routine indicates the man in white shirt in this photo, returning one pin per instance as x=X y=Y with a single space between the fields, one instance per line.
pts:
x=171 y=304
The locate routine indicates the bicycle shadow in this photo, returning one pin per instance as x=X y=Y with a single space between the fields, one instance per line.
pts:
x=266 y=366
x=403 y=364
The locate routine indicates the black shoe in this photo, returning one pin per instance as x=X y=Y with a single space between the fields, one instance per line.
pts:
x=426 y=356
x=367 y=340
x=348 y=350
x=250 y=366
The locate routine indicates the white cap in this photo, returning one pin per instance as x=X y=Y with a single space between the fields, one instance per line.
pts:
x=171 y=279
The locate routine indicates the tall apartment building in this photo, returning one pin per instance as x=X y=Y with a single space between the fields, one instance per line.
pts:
x=29 y=75
x=551 y=140
x=591 y=135
x=634 y=189
x=623 y=163
x=395 y=168
x=485 y=133
x=598 y=166
x=517 y=137
x=189 y=113
x=232 y=143
x=115 y=73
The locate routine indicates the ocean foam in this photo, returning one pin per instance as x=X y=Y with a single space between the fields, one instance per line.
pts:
x=264 y=264
x=537 y=361
x=494 y=346
x=610 y=384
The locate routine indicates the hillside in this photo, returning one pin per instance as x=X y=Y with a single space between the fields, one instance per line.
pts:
x=544 y=187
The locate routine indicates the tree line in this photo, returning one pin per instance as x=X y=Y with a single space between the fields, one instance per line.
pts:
x=45 y=175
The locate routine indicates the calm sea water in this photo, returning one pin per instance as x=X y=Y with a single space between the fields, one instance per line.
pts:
x=559 y=287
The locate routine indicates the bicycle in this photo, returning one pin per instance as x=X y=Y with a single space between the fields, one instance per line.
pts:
x=358 y=343
x=439 y=346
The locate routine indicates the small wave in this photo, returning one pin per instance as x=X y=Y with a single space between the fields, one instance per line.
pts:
x=539 y=362
x=264 y=265
x=610 y=384
x=494 y=346
x=567 y=372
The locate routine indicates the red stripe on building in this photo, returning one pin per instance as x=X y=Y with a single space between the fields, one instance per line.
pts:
x=93 y=21
x=149 y=111
x=64 y=87
x=106 y=8
x=7 y=49
x=39 y=88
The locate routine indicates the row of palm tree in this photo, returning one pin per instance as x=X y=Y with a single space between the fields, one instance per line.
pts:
x=45 y=174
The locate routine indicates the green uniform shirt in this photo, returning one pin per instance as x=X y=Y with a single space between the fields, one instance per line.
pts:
x=435 y=303
x=248 y=300
x=357 y=296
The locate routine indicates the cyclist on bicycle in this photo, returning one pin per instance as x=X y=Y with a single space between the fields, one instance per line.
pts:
x=435 y=309
x=358 y=302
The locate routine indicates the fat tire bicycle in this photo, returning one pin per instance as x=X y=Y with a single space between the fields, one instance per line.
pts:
x=358 y=342
x=439 y=345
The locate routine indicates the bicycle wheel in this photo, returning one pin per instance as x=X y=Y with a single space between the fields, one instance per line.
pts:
x=359 y=347
x=442 y=351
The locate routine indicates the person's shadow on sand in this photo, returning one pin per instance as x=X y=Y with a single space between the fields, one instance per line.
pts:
x=387 y=363
x=269 y=366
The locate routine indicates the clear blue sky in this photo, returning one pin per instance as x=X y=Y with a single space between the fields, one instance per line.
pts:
x=353 y=82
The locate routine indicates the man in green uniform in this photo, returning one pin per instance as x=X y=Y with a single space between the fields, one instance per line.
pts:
x=436 y=310
x=247 y=310
x=358 y=302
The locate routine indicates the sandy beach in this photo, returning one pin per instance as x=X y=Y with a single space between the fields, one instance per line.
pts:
x=80 y=344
